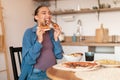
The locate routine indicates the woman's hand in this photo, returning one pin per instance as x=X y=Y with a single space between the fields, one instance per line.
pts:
x=57 y=32
x=39 y=34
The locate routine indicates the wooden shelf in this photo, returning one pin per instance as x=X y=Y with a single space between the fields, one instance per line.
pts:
x=109 y=9
x=89 y=41
x=85 y=11
x=72 y=12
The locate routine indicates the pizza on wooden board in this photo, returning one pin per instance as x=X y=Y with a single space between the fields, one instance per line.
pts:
x=80 y=64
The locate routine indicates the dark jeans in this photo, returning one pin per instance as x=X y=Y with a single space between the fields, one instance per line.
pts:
x=38 y=75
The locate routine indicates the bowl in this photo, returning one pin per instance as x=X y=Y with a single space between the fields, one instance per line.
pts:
x=73 y=57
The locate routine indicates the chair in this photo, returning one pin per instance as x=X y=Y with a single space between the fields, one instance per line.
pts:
x=15 y=53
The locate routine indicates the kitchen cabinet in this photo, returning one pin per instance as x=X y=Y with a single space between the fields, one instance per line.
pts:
x=107 y=50
x=102 y=47
x=70 y=49
x=117 y=52
x=113 y=56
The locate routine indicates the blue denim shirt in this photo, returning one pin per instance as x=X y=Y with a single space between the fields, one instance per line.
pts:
x=31 y=51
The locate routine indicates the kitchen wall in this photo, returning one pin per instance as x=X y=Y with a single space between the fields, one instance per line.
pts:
x=18 y=15
x=89 y=21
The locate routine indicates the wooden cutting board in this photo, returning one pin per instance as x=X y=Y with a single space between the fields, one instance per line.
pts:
x=102 y=34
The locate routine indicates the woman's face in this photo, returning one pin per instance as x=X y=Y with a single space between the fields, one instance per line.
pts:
x=43 y=15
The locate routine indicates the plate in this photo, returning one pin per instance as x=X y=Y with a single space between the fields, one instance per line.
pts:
x=109 y=63
x=112 y=66
x=61 y=66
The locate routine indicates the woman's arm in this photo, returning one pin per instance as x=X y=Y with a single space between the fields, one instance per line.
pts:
x=31 y=47
x=58 y=49
x=57 y=46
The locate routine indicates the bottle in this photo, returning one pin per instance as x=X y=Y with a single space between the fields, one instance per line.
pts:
x=74 y=39
x=79 y=31
x=77 y=35
x=81 y=37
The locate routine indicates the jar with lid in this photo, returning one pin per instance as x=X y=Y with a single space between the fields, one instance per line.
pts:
x=74 y=38
x=115 y=38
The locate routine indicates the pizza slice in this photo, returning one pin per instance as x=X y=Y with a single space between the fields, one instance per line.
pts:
x=55 y=25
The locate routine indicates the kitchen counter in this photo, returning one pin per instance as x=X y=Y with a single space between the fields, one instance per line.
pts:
x=82 y=43
x=88 y=41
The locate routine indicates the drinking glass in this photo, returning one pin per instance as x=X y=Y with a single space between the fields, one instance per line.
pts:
x=89 y=56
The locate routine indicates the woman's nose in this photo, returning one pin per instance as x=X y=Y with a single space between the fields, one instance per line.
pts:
x=48 y=15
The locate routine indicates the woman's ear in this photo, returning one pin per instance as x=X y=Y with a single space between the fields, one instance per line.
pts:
x=36 y=17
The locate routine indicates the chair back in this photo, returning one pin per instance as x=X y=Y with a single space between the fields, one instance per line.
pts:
x=15 y=53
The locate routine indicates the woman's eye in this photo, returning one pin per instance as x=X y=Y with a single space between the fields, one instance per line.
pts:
x=43 y=13
x=46 y=13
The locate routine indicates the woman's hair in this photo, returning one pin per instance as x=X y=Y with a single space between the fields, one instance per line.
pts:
x=37 y=10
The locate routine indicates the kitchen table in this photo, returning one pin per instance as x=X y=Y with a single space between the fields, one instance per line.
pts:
x=56 y=74
x=100 y=74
